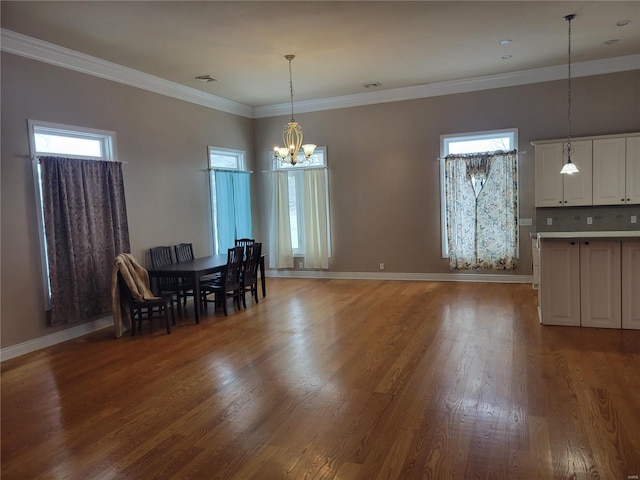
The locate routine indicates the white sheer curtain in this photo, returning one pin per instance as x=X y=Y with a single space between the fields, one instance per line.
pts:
x=313 y=223
x=481 y=210
x=281 y=251
x=316 y=228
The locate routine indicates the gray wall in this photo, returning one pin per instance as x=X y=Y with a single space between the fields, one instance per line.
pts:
x=383 y=173
x=164 y=142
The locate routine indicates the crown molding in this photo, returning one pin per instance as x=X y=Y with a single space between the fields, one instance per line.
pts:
x=35 y=49
x=522 y=77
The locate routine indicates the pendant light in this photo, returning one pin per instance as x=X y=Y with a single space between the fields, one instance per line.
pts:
x=292 y=134
x=569 y=168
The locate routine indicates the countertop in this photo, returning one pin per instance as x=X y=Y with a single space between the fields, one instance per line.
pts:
x=593 y=234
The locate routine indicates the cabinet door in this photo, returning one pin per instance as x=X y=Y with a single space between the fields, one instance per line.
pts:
x=548 y=164
x=578 y=188
x=600 y=301
x=633 y=170
x=609 y=171
x=559 y=289
x=631 y=284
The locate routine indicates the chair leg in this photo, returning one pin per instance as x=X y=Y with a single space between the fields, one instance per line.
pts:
x=166 y=319
x=132 y=315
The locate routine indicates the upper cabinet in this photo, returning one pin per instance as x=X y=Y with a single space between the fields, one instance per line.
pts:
x=609 y=172
x=556 y=190
x=616 y=167
x=633 y=170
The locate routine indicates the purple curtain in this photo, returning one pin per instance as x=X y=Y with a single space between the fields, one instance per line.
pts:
x=85 y=220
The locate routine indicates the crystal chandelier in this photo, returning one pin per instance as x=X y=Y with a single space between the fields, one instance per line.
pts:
x=569 y=167
x=292 y=134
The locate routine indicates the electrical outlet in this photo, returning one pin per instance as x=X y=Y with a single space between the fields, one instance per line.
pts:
x=381 y=266
x=549 y=221
x=634 y=219
x=589 y=220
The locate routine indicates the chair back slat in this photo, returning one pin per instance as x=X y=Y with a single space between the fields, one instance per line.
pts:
x=184 y=252
x=250 y=266
x=161 y=256
x=234 y=267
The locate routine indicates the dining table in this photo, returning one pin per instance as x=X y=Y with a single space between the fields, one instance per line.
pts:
x=197 y=268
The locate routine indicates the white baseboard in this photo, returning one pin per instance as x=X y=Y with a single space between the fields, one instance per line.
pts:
x=426 y=277
x=54 y=338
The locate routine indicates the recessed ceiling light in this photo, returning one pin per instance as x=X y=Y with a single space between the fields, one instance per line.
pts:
x=505 y=42
x=622 y=23
x=206 y=78
x=372 y=85
x=612 y=41
x=506 y=57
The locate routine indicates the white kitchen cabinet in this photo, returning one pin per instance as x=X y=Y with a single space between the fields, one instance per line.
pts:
x=633 y=170
x=609 y=171
x=554 y=189
x=616 y=171
x=559 y=289
x=600 y=299
x=631 y=284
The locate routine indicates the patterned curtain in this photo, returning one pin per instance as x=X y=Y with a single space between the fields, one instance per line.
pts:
x=482 y=210
x=86 y=226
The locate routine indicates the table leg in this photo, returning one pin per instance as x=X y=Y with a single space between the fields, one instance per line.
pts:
x=196 y=296
x=262 y=279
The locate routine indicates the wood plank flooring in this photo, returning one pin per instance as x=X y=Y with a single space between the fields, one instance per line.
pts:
x=333 y=379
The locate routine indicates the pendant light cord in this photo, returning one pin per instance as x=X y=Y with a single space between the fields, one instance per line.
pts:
x=291 y=87
x=569 y=18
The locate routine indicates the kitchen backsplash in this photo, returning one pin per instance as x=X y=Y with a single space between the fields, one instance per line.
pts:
x=575 y=219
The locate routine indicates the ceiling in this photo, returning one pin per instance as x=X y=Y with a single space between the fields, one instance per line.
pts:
x=339 y=46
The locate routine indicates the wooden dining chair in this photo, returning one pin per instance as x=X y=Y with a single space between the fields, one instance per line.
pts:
x=243 y=242
x=157 y=308
x=180 y=287
x=183 y=252
x=228 y=285
x=249 y=275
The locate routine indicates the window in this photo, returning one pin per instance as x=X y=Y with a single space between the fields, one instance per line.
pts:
x=230 y=197
x=467 y=145
x=51 y=139
x=296 y=195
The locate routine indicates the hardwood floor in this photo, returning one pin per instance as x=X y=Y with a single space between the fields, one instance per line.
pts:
x=332 y=379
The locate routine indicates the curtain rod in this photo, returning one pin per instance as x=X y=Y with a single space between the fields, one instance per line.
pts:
x=226 y=170
x=517 y=153
x=38 y=157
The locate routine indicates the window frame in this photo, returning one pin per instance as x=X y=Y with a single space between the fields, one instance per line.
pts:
x=240 y=156
x=445 y=143
x=278 y=165
x=107 y=141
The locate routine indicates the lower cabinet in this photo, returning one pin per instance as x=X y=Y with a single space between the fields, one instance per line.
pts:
x=600 y=294
x=631 y=284
x=590 y=283
x=559 y=288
